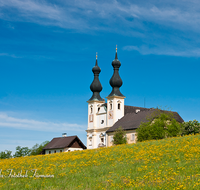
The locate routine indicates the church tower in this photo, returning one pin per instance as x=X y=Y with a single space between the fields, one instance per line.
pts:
x=115 y=100
x=94 y=108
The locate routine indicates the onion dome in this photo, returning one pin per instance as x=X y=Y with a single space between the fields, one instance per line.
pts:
x=96 y=86
x=116 y=81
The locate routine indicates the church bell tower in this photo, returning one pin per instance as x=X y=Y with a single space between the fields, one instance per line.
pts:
x=93 y=107
x=115 y=100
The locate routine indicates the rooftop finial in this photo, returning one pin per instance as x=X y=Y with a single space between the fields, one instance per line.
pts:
x=116 y=53
x=96 y=55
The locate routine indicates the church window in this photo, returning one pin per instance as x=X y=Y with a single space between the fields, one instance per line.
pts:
x=98 y=109
x=110 y=106
x=91 y=110
x=119 y=106
x=90 y=142
x=102 y=121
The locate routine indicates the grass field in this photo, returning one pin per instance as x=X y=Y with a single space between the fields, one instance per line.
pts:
x=165 y=164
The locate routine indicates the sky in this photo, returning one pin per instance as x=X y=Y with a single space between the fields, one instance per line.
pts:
x=48 y=49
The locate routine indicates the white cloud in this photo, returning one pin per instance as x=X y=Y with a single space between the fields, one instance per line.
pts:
x=145 y=50
x=29 y=124
x=9 y=55
x=82 y=14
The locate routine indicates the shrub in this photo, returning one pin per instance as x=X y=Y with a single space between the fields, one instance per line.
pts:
x=190 y=127
x=119 y=136
x=160 y=125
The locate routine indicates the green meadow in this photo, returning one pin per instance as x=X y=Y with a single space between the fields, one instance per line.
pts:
x=172 y=163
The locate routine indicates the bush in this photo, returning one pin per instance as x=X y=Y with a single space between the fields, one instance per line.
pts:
x=160 y=125
x=190 y=127
x=119 y=136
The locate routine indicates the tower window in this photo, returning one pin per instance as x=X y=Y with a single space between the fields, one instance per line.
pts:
x=91 y=110
x=118 y=106
x=102 y=121
x=110 y=106
x=98 y=109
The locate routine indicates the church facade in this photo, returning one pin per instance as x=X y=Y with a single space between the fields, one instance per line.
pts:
x=104 y=117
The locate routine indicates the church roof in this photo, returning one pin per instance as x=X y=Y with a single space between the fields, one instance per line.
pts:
x=132 y=120
x=63 y=142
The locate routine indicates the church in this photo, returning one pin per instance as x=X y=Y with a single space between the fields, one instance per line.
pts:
x=105 y=117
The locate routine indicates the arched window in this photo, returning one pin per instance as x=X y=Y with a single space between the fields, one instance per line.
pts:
x=118 y=106
x=91 y=110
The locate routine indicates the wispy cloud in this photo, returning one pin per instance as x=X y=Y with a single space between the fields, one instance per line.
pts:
x=83 y=14
x=29 y=124
x=9 y=55
x=145 y=50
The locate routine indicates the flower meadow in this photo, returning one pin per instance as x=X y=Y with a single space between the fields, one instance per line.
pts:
x=172 y=163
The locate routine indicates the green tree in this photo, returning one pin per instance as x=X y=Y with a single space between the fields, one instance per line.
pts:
x=37 y=149
x=190 y=127
x=22 y=151
x=119 y=136
x=5 y=154
x=160 y=125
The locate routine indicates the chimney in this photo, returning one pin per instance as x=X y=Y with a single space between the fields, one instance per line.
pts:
x=64 y=134
x=137 y=110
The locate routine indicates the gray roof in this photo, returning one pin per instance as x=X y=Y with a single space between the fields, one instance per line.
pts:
x=63 y=142
x=132 y=120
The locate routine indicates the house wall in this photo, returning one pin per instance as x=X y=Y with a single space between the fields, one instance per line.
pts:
x=71 y=149
x=128 y=135
x=63 y=150
x=52 y=151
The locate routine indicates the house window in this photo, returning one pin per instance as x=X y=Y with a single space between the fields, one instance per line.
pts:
x=102 y=140
x=110 y=106
x=68 y=150
x=60 y=150
x=49 y=152
x=133 y=137
x=54 y=151
x=111 y=138
x=118 y=106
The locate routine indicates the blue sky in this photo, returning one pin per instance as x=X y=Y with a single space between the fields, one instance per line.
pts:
x=48 y=48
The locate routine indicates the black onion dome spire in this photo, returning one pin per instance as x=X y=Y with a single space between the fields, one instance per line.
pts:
x=96 y=86
x=116 y=81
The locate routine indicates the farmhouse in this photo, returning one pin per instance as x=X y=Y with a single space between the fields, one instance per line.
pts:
x=63 y=144
x=105 y=117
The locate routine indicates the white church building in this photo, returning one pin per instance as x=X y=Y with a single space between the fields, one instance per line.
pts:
x=104 y=117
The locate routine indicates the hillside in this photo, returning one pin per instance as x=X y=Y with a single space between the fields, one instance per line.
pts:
x=166 y=164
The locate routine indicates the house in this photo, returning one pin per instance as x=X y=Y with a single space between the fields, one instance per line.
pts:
x=63 y=144
x=105 y=117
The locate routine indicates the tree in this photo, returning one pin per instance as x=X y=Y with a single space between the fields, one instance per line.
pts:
x=190 y=127
x=5 y=154
x=119 y=136
x=37 y=149
x=160 y=125
x=22 y=151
